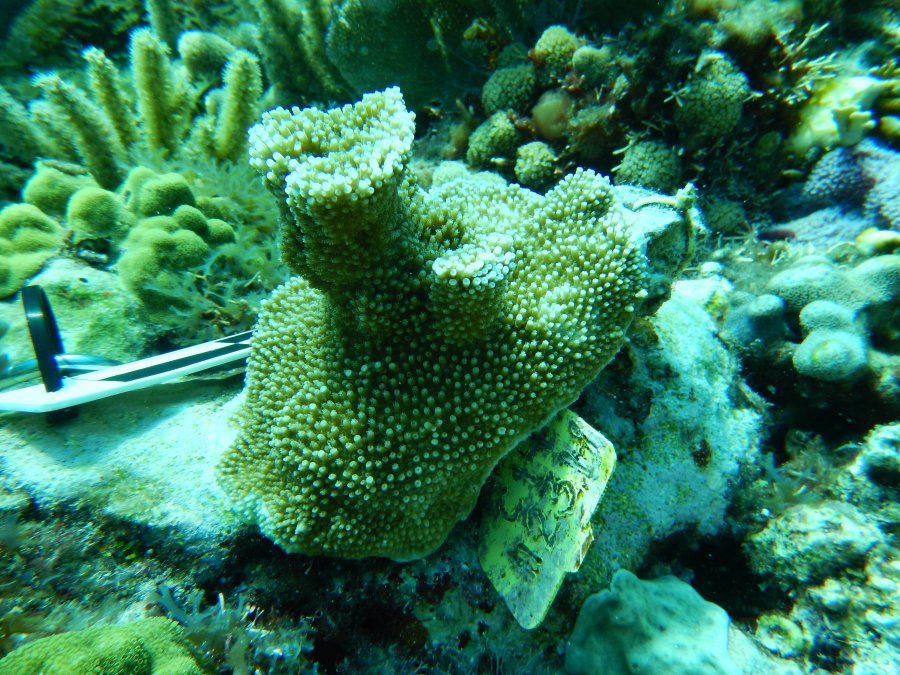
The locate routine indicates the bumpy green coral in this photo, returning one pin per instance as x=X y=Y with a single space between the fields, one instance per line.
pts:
x=147 y=647
x=509 y=88
x=94 y=212
x=174 y=250
x=494 y=138
x=553 y=53
x=28 y=237
x=53 y=184
x=159 y=195
x=536 y=165
x=428 y=334
x=162 y=247
x=651 y=164
x=710 y=104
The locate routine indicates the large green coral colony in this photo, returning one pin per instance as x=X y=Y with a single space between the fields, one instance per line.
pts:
x=427 y=333
x=146 y=647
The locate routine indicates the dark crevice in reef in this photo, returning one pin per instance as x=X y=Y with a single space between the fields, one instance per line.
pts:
x=718 y=570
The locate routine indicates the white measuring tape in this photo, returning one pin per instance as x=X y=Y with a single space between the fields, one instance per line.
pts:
x=58 y=392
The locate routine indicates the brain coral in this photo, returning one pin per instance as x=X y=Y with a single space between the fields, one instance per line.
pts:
x=425 y=335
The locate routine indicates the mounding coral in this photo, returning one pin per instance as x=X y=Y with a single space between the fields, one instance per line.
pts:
x=823 y=335
x=426 y=334
x=649 y=626
x=28 y=238
x=147 y=647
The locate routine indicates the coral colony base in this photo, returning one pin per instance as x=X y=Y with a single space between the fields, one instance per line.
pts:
x=575 y=341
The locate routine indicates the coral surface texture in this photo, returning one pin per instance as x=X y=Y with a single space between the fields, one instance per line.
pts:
x=425 y=335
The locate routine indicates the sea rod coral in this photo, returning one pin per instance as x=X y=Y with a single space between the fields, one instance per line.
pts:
x=424 y=336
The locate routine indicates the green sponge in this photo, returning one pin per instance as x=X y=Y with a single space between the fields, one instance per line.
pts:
x=171 y=246
x=146 y=647
x=133 y=184
x=28 y=237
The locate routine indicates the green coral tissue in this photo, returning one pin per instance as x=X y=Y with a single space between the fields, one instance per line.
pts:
x=424 y=336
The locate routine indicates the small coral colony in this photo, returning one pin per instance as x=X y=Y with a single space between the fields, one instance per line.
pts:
x=615 y=287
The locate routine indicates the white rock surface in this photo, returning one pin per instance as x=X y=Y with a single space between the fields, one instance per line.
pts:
x=146 y=458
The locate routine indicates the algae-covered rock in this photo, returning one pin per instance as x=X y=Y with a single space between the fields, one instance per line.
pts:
x=681 y=433
x=810 y=542
x=649 y=626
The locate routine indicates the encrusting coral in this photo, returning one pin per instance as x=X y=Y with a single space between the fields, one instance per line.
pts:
x=651 y=626
x=427 y=333
x=152 y=646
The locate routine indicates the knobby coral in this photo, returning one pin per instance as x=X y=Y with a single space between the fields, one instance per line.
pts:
x=425 y=335
x=146 y=647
